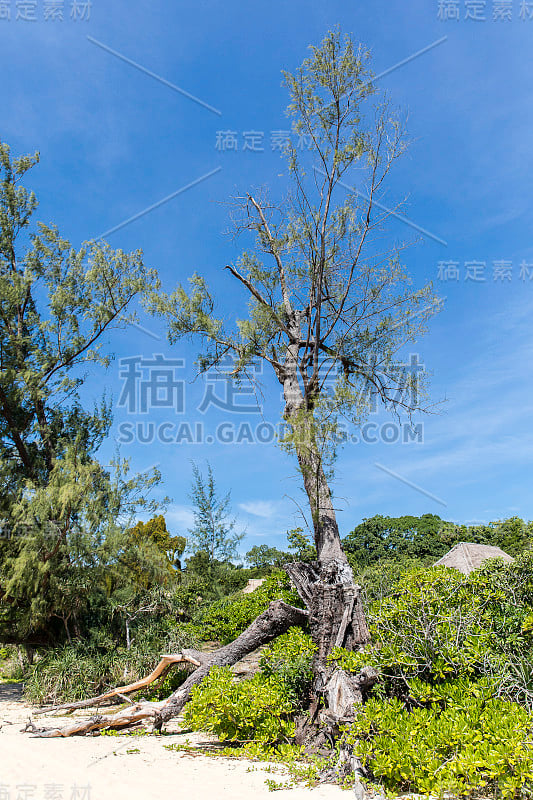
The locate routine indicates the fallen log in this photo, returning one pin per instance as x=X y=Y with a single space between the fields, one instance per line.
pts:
x=274 y=621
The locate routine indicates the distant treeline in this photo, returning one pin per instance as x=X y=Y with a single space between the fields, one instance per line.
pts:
x=429 y=537
x=425 y=538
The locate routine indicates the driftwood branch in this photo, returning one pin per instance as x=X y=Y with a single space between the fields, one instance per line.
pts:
x=162 y=668
x=133 y=715
x=277 y=619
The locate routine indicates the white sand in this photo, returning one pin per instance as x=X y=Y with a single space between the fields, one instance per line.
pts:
x=104 y=764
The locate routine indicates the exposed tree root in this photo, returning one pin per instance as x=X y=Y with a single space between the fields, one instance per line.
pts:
x=277 y=619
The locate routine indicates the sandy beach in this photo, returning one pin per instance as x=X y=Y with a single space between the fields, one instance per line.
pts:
x=124 y=767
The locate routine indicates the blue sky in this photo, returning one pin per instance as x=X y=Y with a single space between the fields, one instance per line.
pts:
x=115 y=141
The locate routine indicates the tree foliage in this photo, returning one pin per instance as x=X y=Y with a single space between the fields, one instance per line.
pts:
x=154 y=554
x=381 y=537
x=60 y=508
x=264 y=558
x=428 y=538
x=213 y=531
x=300 y=545
x=329 y=308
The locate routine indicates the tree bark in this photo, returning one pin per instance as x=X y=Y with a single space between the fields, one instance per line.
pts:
x=327 y=586
x=326 y=531
x=336 y=619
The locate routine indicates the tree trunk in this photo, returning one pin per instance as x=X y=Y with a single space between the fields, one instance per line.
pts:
x=326 y=530
x=327 y=586
x=336 y=619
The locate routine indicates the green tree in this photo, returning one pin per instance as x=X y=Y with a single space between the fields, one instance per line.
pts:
x=426 y=537
x=59 y=506
x=329 y=308
x=214 y=579
x=513 y=535
x=263 y=557
x=300 y=545
x=213 y=531
x=156 y=554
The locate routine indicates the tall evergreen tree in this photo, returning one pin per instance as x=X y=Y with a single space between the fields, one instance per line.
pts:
x=57 y=502
x=213 y=531
x=330 y=308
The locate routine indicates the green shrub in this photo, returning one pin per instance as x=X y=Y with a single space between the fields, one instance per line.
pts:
x=258 y=709
x=73 y=672
x=225 y=619
x=288 y=659
x=455 y=654
x=453 y=738
x=380 y=580
x=438 y=624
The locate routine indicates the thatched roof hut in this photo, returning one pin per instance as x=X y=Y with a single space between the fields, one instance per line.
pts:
x=467 y=557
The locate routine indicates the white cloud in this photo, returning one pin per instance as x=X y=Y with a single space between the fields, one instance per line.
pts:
x=260 y=508
x=179 y=516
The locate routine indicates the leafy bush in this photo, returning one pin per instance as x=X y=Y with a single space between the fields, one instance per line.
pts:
x=288 y=659
x=258 y=709
x=225 y=619
x=438 y=624
x=455 y=654
x=453 y=738
x=379 y=580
